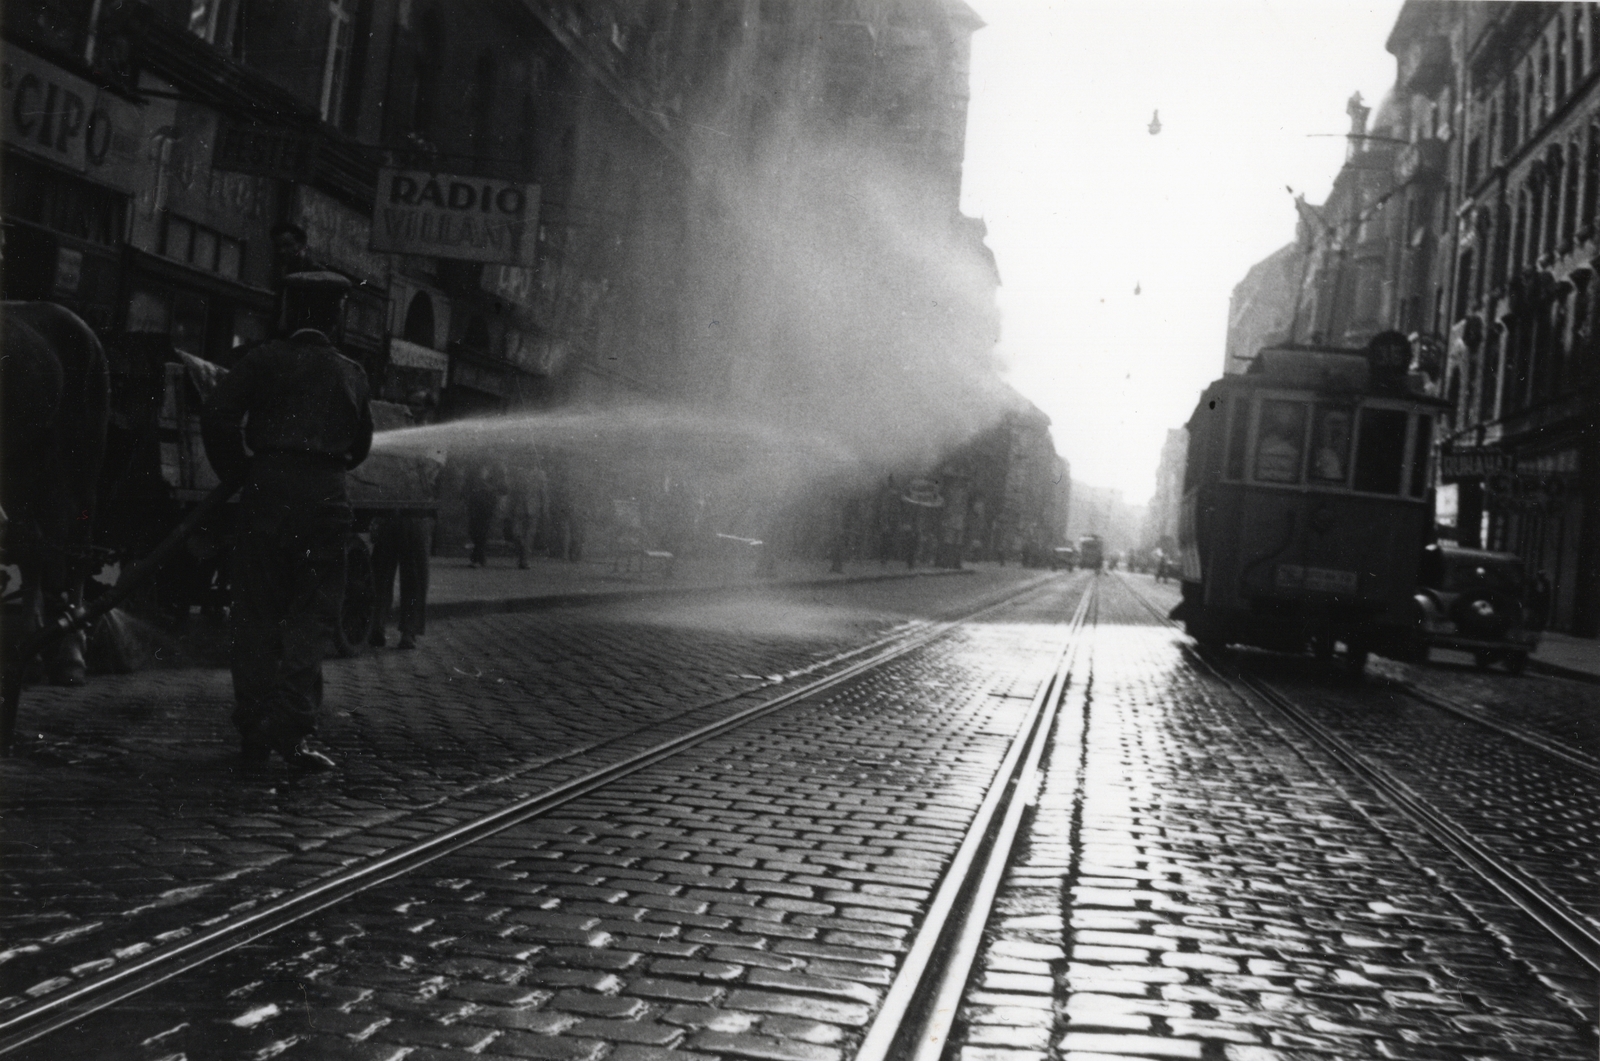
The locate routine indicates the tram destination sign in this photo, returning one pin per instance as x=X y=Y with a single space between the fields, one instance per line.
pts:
x=440 y=215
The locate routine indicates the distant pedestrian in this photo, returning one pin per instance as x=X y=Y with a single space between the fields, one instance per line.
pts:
x=526 y=506
x=295 y=413
x=486 y=485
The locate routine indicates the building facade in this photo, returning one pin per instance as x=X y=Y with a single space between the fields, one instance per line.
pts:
x=1524 y=371
x=543 y=205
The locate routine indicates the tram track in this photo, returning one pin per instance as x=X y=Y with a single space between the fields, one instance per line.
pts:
x=914 y=1021
x=71 y=1004
x=1577 y=933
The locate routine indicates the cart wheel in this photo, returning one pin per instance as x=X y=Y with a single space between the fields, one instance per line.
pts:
x=1484 y=660
x=1355 y=660
x=1517 y=662
x=360 y=601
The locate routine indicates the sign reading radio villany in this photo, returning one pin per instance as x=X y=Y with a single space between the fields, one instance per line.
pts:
x=440 y=215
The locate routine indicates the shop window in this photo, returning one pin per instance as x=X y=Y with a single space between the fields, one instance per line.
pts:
x=62 y=203
x=419 y=327
x=148 y=311
x=204 y=248
x=1280 y=442
x=1380 y=451
x=189 y=324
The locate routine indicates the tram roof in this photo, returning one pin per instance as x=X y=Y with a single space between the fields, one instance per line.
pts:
x=1325 y=369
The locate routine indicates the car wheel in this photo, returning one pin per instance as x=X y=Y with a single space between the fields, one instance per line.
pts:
x=1517 y=662
x=1484 y=660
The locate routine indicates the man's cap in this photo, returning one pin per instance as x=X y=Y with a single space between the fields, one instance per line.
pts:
x=321 y=282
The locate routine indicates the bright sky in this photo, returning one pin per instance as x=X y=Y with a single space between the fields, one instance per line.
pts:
x=1084 y=204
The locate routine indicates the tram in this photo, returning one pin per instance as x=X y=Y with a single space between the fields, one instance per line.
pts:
x=1308 y=502
x=1091 y=553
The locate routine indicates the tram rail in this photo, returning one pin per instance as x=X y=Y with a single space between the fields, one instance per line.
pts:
x=1577 y=933
x=913 y=1024
x=71 y=1004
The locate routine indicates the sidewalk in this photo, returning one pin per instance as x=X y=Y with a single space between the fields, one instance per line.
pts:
x=1567 y=657
x=456 y=589
x=1561 y=655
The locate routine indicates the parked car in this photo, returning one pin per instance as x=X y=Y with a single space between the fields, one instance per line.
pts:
x=1476 y=601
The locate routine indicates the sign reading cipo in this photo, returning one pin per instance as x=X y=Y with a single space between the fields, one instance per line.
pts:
x=443 y=216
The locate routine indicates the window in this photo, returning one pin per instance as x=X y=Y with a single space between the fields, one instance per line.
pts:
x=1330 y=445
x=204 y=248
x=1591 y=175
x=63 y=203
x=1569 y=207
x=203 y=18
x=1380 y=451
x=1280 y=442
x=1561 y=86
x=480 y=106
x=1512 y=126
x=336 y=62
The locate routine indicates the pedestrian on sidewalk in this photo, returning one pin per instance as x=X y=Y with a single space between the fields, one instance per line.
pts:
x=401 y=543
x=486 y=485
x=295 y=413
x=527 y=502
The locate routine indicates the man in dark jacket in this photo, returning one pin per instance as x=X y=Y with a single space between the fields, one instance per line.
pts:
x=295 y=412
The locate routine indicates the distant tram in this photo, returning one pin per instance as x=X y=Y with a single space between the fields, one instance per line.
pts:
x=1308 y=503
x=1091 y=554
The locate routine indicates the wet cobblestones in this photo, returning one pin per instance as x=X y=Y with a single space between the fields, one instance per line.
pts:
x=748 y=900
x=1193 y=886
x=1539 y=813
x=129 y=821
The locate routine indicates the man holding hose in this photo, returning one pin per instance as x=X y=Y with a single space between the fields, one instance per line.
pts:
x=295 y=412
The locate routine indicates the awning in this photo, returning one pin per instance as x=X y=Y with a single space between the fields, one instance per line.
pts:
x=415 y=355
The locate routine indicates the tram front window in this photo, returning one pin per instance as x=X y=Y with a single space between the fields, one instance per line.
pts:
x=1380 y=451
x=1330 y=447
x=1280 y=440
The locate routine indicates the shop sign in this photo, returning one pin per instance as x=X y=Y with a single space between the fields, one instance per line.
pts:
x=441 y=215
x=1475 y=463
x=340 y=236
x=51 y=113
x=1488 y=463
x=415 y=355
x=510 y=282
x=923 y=493
x=535 y=355
x=265 y=151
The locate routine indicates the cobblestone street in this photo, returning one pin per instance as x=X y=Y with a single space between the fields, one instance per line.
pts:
x=1195 y=878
